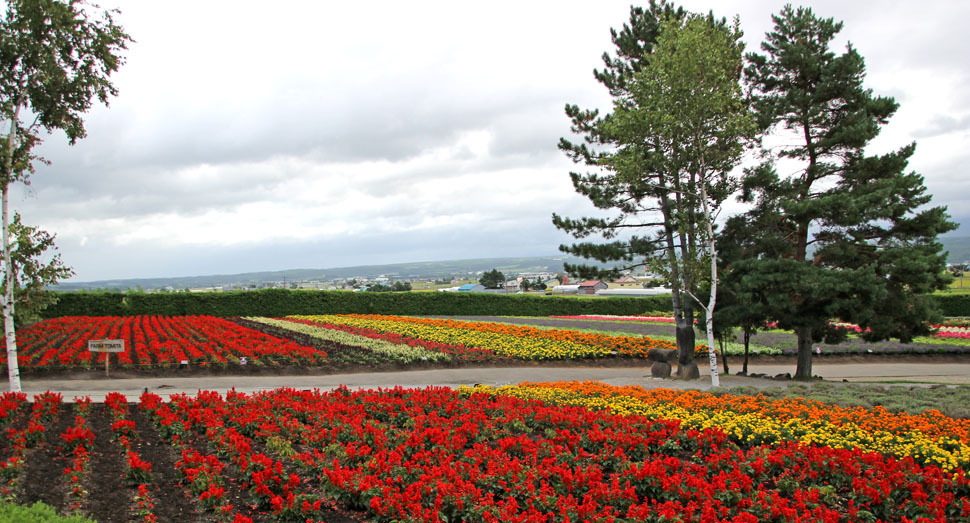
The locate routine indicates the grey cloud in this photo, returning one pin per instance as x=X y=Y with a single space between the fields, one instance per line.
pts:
x=143 y=261
x=943 y=124
x=142 y=191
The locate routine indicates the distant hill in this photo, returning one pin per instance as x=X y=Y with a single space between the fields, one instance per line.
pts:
x=416 y=270
x=959 y=249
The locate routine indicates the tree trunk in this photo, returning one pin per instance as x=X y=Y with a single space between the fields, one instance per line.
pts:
x=712 y=252
x=7 y=297
x=747 y=340
x=683 y=309
x=804 y=369
x=6 y=300
x=686 y=337
x=724 y=355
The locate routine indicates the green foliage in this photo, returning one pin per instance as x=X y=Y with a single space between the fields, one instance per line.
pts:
x=36 y=513
x=57 y=58
x=626 y=175
x=687 y=102
x=398 y=286
x=643 y=165
x=492 y=279
x=845 y=235
x=953 y=305
x=281 y=302
x=536 y=285
x=31 y=274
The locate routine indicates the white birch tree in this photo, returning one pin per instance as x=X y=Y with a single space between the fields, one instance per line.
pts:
x=690 y=105
x=56 y=59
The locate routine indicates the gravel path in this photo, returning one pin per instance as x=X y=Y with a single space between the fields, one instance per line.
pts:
x=835 y=372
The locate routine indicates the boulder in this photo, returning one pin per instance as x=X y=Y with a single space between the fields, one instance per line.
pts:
x=660 y=369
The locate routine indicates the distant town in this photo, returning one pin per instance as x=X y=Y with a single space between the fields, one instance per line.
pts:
x=471 y=281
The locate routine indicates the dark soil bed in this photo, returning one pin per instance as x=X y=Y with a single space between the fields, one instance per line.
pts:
x=109 y=497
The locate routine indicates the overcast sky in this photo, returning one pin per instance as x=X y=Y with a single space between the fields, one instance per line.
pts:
x=253 y=136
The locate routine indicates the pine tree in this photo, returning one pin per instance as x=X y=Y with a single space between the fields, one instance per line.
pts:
x=628 y=177
x=492 y=279
x=846 y=235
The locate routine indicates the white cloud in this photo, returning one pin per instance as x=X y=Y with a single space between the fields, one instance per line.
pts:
x=318 y=134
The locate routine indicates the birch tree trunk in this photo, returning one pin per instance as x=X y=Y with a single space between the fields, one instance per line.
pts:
x=7 y=296
x=6 y=300
x=709 y=309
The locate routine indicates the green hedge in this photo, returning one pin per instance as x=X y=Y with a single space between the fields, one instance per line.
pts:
x=280 y=302
x=953 y=304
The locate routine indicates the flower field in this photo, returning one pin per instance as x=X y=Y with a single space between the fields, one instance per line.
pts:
x=321 y=342
x=515 y=341
x=942 y=331
x=952 y=331
x=155 y=341
x=478 y=455
x=333 y=342
x=402 y=348
x=929 y=438
x=763 y=342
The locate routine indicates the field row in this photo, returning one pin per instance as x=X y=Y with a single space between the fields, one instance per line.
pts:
x=476 y=455
x=319 y=342
x=310 y=341
x=929 y=438
x=956 y=330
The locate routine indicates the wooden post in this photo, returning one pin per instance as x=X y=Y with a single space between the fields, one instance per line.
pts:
x=106 y=347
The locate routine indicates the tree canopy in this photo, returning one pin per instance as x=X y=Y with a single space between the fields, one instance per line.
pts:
x=56 y=59
x=36 y=266
x=492 y=279
x=641 y=175
x=688 y=104
x=845 y=234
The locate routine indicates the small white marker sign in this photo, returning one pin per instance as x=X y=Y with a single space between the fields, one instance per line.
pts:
x=106 y=345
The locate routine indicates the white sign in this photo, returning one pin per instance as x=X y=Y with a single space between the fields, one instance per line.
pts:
x=106 y=345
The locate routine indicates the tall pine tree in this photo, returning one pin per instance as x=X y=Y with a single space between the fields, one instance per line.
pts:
x=846 y=235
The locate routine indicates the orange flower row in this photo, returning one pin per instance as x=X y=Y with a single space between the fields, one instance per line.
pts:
x=931 y=422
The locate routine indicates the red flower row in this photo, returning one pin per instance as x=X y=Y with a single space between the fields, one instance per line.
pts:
x=155 y=341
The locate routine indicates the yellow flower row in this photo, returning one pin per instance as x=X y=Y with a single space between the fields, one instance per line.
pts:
x=754 y=429
x=515 y=346
x=397 y=351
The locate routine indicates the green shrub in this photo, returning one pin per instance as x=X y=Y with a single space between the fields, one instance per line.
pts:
x=953 y=304
x=36 y=513
x=281 y=302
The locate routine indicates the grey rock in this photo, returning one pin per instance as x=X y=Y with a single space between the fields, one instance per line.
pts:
x=660 y=369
